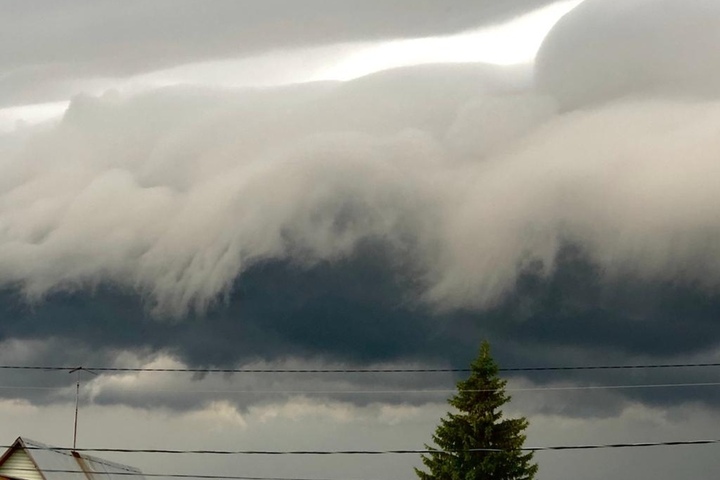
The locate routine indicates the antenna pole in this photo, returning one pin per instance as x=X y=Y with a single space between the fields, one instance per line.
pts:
x=77 y=371
x=77 y=402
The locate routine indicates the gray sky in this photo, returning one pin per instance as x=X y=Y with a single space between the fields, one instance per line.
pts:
x=48 y=48
x=133 y=36
x=360 y=185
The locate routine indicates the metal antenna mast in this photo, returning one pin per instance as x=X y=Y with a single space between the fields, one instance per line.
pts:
x=77 y=371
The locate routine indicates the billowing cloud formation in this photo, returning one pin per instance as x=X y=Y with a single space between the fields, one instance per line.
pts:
x=610 y=49
x=175 y=193
x=396 y=218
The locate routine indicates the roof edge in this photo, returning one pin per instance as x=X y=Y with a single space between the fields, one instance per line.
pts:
x=20 y=443
x=29 y=445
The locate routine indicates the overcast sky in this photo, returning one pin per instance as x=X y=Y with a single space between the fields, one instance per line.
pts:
x=360 y=184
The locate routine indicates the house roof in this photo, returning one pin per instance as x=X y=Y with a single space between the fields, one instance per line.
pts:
x=62 y=464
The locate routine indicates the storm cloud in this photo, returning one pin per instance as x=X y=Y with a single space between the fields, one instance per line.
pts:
x=396 y=219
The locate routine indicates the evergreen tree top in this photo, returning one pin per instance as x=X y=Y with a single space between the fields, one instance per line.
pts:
x=479 y=425
x=483 y=388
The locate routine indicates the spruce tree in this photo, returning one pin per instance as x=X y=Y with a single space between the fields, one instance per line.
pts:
x=479 y=424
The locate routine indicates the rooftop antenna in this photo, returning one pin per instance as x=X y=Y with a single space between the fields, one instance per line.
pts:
x=77 y=371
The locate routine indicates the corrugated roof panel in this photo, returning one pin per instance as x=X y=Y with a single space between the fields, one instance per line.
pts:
x=55 y=464
x=111 y=470
x=62 y=465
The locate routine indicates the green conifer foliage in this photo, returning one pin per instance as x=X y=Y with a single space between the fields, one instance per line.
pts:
x=479 y=424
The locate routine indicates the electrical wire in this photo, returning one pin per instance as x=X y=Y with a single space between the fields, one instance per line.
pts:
x=374 y=452
x=133 y=473
x=168 y=475
x=357 y=370
x=384 y=392
x=130 y=473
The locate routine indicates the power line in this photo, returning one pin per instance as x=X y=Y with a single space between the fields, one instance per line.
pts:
x=358 y=370
x=333 y=452
x=376 y=452
x=169 y=475
x=623 y=445
x=385 y=392
x=609 y=367
x=613 y=387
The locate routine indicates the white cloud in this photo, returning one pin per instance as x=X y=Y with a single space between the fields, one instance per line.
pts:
x=607 y=49
x=514 y=42
x=13 y=118
x=174 y=193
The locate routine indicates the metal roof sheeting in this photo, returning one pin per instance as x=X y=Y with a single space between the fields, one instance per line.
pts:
x=55 y=464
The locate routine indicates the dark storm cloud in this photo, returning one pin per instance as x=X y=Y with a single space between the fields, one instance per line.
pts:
x=360 y=312
x=357 y=311
x=47 y=45
x=397 y=218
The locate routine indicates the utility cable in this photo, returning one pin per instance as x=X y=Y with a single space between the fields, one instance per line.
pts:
x=358 y=370
x=167 y=475
x=325 y=452
x=382 y=392
x=374 y=452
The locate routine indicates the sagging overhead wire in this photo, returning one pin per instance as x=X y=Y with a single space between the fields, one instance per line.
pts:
x=358 y=370
x=83 y=474
x=330 y=452
x=674 y=443
x=443 y=391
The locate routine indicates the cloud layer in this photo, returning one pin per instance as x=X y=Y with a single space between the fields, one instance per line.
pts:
x=175 y=193
x=395 y=218
x=609 y=50
x=52 y=52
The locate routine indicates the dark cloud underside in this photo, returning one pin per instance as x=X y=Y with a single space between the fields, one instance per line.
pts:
x=360 y=312
x=402 y=217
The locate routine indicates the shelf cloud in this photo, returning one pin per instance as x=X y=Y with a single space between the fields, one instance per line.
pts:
x=393 y=218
